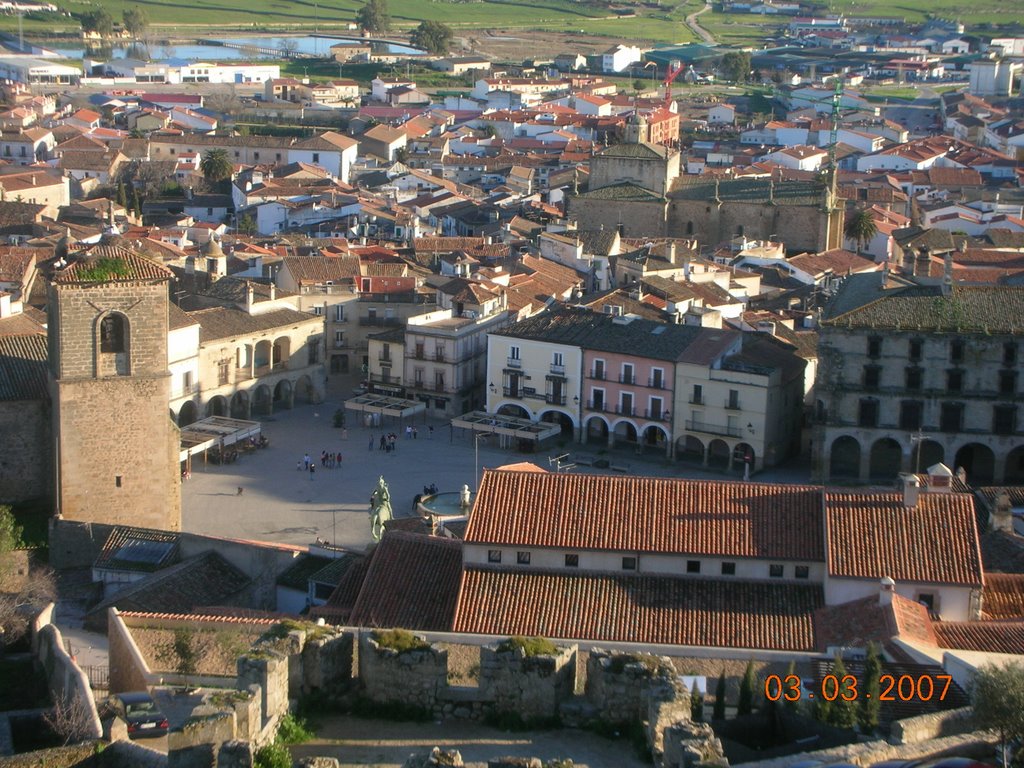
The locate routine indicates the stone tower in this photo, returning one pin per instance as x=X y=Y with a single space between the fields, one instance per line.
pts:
x=116 y=447
x=636 y=131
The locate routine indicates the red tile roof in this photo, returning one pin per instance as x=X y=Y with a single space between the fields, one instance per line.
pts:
x=990 y=636
x=136 y=267
x=412 y=582
x=645 y=514
x=859 y=622
x=1003 y=596
x=871 y=535
x=640 y=608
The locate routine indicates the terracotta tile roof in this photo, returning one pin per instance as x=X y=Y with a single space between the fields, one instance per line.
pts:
x=228 y=322
x=138 y=267
x=836 y=261
x=412 y=582
x=989 y=636
x=1003 y=596
x=192 y=617
x=23 y=368
x=859 y=622
x=351 y=572
x=27 y=323
x=646 y=514
x=639 y=608
x=316 y=270
x=871 y=535
x=15 y=261
x=138 y=549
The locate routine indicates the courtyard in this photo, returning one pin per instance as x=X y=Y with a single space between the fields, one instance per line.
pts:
x=282 y=504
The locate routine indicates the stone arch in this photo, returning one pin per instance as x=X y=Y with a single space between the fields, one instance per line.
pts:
x=690 y=448
x=113 y=344
x=263 y=400
x=240 y=405
x=625 y=431
x=282 y=351
x=744 y=453
x=283 y=393
x=689 y=227
x=188 y=414
x=718 y=454
x=304 y=392
x=596 y=428
x=563 y=419
x=926 y=454
x=218 y=406
x=886 y=459
x=244 y=357
x=655 y=436
x=515 y=410
x=1014 y=472
x=262 y=356
x=844 y=457
x=979 y=462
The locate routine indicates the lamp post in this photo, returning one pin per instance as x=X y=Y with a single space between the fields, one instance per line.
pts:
x=917 y=439
x=477 y=436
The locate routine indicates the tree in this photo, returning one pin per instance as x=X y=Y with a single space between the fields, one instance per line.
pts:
x=373 y=17
x=122 y=198
x=136 y=204
x=997 y=695
x=99 y=21
x=790 y=672
x=860 y=227
x=718 y=713
x=25 y=588
x=70 y=719
x=745 y=704
x=843 y=713
x=736 y=66
x=870 y=702
x=696 y=705
x=135 y=21
x=288 y=46
x=186 y=653
x=216 y=165
x=432 y=36
x=246 y=225
x=273 y=755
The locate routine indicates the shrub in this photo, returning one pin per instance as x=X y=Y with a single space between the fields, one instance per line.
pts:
x=532 y=646
x=293 y=730
x=105 y=268
x=274 y=755
x=401 y=640
x=620 y=660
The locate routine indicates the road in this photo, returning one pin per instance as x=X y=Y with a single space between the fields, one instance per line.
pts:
x=918 y=116
x=691 y=22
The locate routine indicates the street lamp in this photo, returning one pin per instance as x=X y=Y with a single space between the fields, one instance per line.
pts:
x=477 y=436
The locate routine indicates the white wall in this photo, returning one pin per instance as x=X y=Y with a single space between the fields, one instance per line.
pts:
x=954 y=603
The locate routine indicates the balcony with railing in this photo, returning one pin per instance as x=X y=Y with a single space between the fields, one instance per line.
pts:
x=654 y=382
x=597 y=374
x=439 y=356
x=732 y=405
x=384 y=357
x=696 y=399
x=383 y=378
x=627 y=378
x=558 y=370
x=515 y=392
x=657 y=414
x=514 y=362
x=600 y=406
x=713 y=429
x=625 y=410
x=553 y=399
x=241 y=374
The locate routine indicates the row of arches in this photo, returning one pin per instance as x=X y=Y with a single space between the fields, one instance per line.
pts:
x=884 y=460
x=244 y=404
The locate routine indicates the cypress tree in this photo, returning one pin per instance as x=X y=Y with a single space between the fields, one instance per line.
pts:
x=719 y=711
x=745 y=705
x=869 y=702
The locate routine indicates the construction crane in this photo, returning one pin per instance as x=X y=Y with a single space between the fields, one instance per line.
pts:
x=675 y=68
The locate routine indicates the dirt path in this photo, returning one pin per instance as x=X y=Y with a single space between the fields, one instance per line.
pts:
x=691 y=22
x=358 y=743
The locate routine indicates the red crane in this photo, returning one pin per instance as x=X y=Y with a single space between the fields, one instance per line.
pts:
x=675 y=68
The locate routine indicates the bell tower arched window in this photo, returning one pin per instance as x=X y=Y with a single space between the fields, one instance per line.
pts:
x=112 y=333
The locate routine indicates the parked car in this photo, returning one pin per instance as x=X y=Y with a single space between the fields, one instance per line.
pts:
x=143 y=716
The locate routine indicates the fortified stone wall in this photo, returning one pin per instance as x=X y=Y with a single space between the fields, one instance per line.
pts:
x=619 y=685
x=327 y=662
x=269 y=670
x=68 y=684
x=415 y=678
x=531 y=686
x=26 y=455
x=913 y=730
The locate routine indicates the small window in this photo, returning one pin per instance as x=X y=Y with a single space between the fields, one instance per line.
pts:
x=868 y=414
x=1007 y=382
x=956 y=351
x=693 y=566
x=802 y=572
x=951 y=417
x=1004 y=419
x=775 y=570
x=316 y=157
x=875 y=346
x=954 y=381
x=728 y=569
x=916 y=350
x=872 y=375
x=927 y=599
x=572 y=561
x=117 y=481
x=522 y=558
x=629 y=563
x=112 y=334
x=1009 y=353
x=910 y=414
x=913 y=379
x=493 y=555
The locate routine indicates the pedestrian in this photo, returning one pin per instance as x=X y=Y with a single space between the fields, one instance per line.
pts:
x=383 y=442
x=408 y=431
x=298 y=465
x=370 y=447
x=306 y=460
x=339 y=460
x=323 y=459
x=414 y=433
x=430 y=432
x=240 y=490
x=312 y=470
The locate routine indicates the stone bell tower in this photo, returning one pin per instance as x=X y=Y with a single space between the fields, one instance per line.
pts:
x=116 y=448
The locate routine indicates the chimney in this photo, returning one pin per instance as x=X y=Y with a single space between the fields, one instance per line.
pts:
x=1002 y=512
x=248 y=296
x=911 y=490
x=273 y=291
x=947 y=274
x=886 y=589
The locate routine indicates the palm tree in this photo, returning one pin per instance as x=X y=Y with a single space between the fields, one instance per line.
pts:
x=216 y=165
x=860 y=227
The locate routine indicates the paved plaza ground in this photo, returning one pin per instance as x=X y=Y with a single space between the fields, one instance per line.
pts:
x=282 y=504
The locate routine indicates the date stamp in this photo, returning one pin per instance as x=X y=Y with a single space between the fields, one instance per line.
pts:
x=832 y=688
